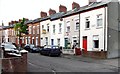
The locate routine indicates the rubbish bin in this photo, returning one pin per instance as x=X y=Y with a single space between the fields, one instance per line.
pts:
x=77 y=51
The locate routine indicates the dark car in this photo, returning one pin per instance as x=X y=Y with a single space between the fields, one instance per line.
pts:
x=31 y=48
x=51 y=50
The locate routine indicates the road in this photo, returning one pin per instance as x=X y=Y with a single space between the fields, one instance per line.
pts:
x=40 y=63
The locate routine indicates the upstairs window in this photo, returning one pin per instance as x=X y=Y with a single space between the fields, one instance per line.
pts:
x=77 y=26
x=42 y=27
x=68 y=27
x=30 y=29
x=60 y=27
x=33 y=29
x=37 y=29
x=87 y=22
x=99 y=20
x=53 y=28
x=47 y=27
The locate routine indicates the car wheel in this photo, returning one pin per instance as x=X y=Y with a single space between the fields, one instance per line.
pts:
x=31 y=51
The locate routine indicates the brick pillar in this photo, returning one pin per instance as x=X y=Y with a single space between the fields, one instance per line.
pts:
x=24 y=60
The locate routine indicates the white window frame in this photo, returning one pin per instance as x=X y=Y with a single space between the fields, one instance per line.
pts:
x=53 y=28
x=68 y=26
x=30 y=29
x=38 y=29
x=87 y=20
x=60 y=27
x=99 y=20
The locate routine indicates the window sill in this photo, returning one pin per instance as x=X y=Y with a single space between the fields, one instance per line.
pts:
x=60 y=33
x=99 y=27
x=76 y=31
x=87 y=28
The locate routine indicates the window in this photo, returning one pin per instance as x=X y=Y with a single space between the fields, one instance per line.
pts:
x=30 y=29
x=68 y=26
x=46 y=39
x=53 y=28
x=47 y=27
x=38 y=29
x=96 y=41
x=33 y=29
x=60 y=27
x=77 y=26
x=87 y=22
x=58 y=41
x=99 y=20
x=42 y=27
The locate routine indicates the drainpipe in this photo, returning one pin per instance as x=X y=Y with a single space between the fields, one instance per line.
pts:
x=105 y=29
x=79 y=33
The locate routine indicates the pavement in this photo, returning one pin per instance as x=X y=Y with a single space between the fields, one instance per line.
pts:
x=111 y=62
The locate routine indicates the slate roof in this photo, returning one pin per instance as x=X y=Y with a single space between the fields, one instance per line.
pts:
x=56 y=16
x=45 y=18
x=87 y=7
x=36 y=20
x=28 y=22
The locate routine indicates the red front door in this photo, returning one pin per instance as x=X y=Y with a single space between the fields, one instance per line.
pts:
x=85 y=43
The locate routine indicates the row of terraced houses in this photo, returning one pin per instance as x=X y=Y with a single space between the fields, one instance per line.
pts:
x=94 y=28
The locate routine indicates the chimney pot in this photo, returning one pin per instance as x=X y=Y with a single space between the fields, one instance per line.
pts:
x=51 y=11
x=43 y=14
x=75 y=5
x=62 y=8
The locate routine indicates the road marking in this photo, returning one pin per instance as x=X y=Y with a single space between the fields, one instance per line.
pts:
x=32 y=64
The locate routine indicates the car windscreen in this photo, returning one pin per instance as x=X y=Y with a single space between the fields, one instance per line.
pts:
x=31 y=46
x=9 y=46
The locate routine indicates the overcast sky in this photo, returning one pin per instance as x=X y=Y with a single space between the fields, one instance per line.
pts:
x=17 y=9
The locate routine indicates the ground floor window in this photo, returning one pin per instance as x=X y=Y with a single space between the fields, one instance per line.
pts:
x=46 y=40
x=58 y=41
x=96 y=43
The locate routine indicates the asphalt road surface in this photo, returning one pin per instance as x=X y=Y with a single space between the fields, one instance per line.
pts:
x=40 y=63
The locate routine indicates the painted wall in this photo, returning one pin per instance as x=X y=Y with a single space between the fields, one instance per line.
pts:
x=43 y=41
x=57 y=35
x=73 y=34
x=93 y=30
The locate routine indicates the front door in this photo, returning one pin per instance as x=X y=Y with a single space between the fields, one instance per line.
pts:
x=52 y=41
x=85 y=43
x=66 y=42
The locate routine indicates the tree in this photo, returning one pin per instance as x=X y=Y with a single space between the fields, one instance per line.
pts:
x=20 y=28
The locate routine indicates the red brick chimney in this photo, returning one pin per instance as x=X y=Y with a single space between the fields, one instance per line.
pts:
x=43 y=14
x=92 y=1
x=51 y=11
x=62 y=8
x=75 y=5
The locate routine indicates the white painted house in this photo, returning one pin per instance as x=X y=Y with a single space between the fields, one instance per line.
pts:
x=45 y=31
x=99 y=28
x=57 y=30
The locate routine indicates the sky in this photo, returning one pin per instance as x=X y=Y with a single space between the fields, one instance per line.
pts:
x=17 y=9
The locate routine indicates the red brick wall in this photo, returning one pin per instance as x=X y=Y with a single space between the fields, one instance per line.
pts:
x=15 y=64
x=95 y=54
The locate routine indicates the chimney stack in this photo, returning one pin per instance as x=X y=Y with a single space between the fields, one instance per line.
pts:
x=92 y=1
x=43 y=14
x=62 y=8
x=75 y=5
x=51 y=11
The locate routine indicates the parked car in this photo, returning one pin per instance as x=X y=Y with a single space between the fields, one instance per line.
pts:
x=31 y=48
x=9 y=47
x=51 y=50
